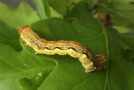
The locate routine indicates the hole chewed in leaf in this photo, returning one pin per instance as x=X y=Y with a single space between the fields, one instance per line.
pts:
x=35 y=82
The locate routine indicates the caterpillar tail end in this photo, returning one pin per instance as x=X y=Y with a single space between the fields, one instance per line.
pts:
x=100 y=62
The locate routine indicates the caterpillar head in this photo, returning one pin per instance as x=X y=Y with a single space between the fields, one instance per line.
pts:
x=22 y=28
x=100 y=61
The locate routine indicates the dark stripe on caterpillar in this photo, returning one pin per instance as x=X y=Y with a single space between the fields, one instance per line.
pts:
x=72 y=48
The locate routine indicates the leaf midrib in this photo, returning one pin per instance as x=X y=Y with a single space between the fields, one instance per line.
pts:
x=107 y=54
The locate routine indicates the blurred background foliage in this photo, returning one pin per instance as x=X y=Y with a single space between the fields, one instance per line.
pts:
x=119 y=13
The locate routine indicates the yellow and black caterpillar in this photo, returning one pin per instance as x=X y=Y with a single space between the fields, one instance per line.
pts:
x=72 y=48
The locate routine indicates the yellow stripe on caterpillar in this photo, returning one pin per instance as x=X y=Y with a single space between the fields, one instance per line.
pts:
x=72 y=48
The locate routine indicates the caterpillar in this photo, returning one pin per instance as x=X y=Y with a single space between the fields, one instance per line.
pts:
x=62 y=47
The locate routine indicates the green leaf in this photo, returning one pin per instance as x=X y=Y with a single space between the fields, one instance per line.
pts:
x=24 y=70
x=40 y=8
x=120 y=1
x=122 y=12
x=45 y=10
x=18 y=17
x=59 y=6
x=120 y=70
x=9 y=36
x=46 y=7
x=121 y=29
x=20 y=70
x=129 y=52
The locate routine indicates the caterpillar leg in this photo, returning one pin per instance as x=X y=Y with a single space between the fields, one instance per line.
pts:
x=89 y=67
x=89 y=70
x=22 y=40
x=26 y=45
x=35 y=53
